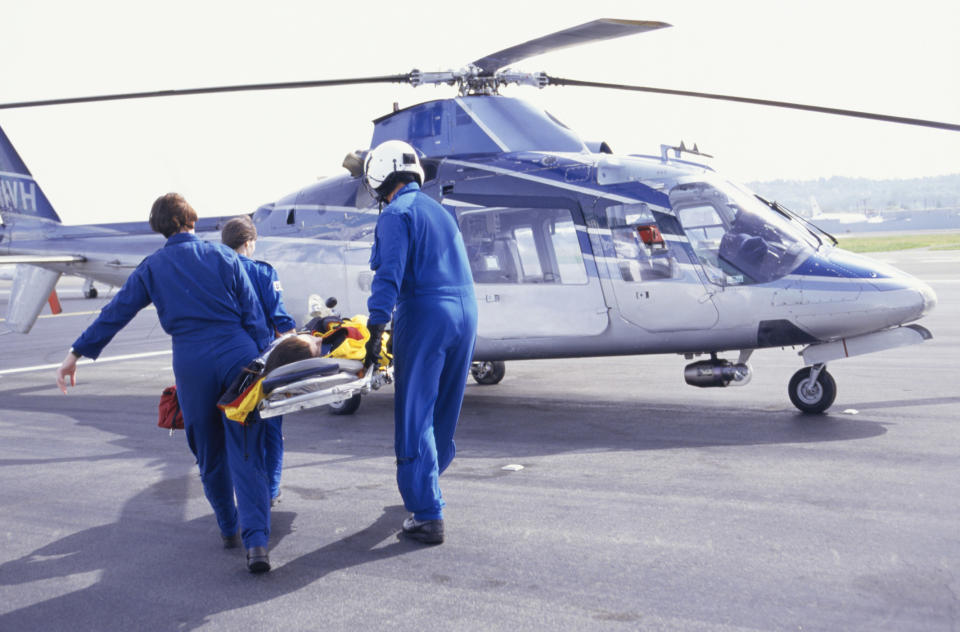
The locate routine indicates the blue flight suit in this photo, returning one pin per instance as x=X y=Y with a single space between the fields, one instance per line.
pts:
x=208 y=305
x=421 y=268
x=267 y=284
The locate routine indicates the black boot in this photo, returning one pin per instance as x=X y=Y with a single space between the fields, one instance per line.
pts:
x=426 y=531
x=231 y=541
x=257 y=560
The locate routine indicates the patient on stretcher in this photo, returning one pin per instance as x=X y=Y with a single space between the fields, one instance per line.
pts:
x=292 y=349
x=300 y=364
x=298 y=358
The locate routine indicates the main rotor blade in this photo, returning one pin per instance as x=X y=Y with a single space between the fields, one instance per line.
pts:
x=190 y=91
x=559 y=81
x=590 y=32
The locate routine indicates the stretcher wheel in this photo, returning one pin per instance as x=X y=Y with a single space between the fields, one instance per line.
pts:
x=346 y=407
x=488 y=372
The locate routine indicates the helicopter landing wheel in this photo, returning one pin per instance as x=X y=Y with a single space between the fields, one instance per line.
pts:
x=488 y=372
x=345 y=407
x=812 y=390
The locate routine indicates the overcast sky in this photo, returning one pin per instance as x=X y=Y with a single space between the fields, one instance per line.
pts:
x=231 y=153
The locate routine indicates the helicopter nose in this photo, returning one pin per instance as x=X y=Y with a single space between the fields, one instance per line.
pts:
x=899 y=298
x=907 y=300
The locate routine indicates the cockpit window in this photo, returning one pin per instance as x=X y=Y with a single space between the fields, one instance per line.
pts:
x=735 y=236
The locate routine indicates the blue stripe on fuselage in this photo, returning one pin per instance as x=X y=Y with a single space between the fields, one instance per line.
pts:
x=841 y=264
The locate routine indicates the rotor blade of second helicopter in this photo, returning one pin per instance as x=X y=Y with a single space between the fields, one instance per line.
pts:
x=559 y=81
x=590 y=32
x=211 y=90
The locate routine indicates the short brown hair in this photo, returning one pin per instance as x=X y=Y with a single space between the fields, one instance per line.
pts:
x=238 y=231
x=288 y=350
x=170 y=214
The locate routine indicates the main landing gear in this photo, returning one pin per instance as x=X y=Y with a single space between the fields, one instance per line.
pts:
x=812 y=389
x=345 y=407
x=488 y=372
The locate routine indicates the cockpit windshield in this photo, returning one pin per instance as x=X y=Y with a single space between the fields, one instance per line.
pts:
x=736 y=237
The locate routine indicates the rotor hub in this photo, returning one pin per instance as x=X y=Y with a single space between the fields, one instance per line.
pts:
x=472 y=80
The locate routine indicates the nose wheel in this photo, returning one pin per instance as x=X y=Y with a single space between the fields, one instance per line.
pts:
x=812 y=389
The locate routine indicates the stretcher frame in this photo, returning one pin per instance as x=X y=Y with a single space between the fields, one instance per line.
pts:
x=312 y=392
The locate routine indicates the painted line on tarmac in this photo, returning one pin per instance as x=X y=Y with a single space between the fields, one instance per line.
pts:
x=3 y=320
x=62 y=314
x=129 y=356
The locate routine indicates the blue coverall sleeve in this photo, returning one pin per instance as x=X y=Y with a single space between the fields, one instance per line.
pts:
x=389 y=262
x=251 y=313
x=277 y=314
x=131 y=298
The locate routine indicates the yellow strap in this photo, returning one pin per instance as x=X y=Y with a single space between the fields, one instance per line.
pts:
x=247 y=404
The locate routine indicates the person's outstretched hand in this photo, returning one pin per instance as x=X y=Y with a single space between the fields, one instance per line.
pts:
x=68 y=368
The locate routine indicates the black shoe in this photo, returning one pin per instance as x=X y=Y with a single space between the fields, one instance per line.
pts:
x=426 y=531
x=257 y=560
x=231 y=541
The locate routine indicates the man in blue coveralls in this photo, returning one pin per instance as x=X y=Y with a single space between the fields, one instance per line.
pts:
x=240 y=234
x=208 y=305
x=421 y=268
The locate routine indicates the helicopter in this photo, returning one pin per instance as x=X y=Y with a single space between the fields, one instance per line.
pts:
x=575 y=251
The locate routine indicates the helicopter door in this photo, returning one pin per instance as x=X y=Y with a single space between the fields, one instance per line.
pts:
x=653 y=290
x=529 y=272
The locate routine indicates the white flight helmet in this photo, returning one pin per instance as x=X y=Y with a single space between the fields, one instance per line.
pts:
x=389 y=157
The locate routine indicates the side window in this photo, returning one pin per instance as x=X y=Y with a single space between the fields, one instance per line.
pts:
x=705 y=230
x=426 y=122
x=566 y=247
x=522 y=245
x=641 y=252
x=527 y=249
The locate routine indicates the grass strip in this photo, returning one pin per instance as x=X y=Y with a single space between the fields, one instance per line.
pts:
x=933 y=241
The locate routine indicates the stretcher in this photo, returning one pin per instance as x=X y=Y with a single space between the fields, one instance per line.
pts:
x=317 y=382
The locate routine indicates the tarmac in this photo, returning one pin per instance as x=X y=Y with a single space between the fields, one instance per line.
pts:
x=642 y=503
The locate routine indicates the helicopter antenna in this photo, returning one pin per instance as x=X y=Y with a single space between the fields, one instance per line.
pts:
x=681 y=149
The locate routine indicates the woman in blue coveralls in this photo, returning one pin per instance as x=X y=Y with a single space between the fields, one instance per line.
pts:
x=421 y=268
x=208 y=305
x=240 y=234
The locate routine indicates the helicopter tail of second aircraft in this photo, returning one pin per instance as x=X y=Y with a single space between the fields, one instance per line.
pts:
x=19 y=193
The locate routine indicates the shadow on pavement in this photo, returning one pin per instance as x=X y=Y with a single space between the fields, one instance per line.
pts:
x=172 y=575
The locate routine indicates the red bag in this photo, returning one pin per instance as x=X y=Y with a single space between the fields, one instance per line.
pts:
x=170 y=415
